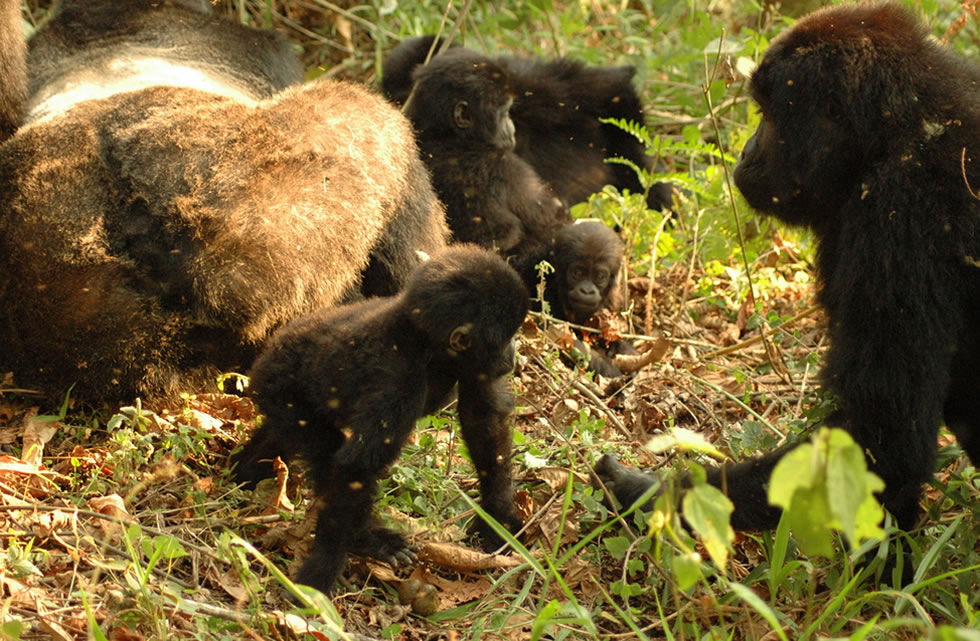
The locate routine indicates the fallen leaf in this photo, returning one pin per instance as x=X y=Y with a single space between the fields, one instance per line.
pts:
x=36 y=435
x=111 y=505
x=464 y=559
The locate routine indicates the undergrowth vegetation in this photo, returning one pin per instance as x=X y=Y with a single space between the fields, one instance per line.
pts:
x=122 y=522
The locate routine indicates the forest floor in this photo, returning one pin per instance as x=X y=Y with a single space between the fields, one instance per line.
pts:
x=127 y=517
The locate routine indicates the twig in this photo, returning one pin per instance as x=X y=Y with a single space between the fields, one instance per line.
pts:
x=618 y=424
x=755 y=339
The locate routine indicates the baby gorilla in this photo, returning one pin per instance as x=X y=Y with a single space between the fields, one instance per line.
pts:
x=343 y=387
x=587 y=257
x=460 y=108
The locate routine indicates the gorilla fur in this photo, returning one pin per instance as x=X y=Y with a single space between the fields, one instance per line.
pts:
x=869 y=134
x=13 y=73
x=342 y=387
x=163 y=208
x=556 y=112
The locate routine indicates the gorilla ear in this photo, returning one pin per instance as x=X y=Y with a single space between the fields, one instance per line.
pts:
x=460 y=339
x=461 y=115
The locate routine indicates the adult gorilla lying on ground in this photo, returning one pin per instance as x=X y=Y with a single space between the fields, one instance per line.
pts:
x=869 y=136
x=556 y=112
x=172 y=196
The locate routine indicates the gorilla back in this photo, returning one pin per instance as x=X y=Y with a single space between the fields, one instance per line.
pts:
x=173 y=195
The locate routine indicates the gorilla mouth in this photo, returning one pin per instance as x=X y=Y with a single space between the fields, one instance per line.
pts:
x=580 y=311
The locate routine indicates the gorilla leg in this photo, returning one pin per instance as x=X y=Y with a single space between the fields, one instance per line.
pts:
x=745 y=483
x=254 y=461
x=344 y=513
x=483 y=409
x=960 y=411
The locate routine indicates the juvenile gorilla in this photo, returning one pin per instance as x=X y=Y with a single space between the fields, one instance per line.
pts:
x=461 y=112
x=868 y=135
x=587 y=257
x=173 y=195
x=343 y=387
x=556 y=112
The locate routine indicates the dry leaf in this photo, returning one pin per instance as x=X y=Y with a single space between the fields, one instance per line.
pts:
x=55 y=630
x=557 y=477
x=36 y=435
x=202 y=421
x=282 y=477
x=628 y=363
x=111 y=505
x=464 y=559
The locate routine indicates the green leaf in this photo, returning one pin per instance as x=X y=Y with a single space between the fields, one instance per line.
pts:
x=11 y=629
x=683 y=440
x=545 y=615
x=617 y=546
x=709 y=512
x=687 y=569
x=168 y=547
x=811 y=522
x=824 y=486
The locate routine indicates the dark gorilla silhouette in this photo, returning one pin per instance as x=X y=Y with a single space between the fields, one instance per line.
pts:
x=556 y=112
x=868 y=135
x=461 y=112
x=343 y=387
x=173 y=194
x=587 y=257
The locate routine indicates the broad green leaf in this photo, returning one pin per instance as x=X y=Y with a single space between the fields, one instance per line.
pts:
x=617 y=546
x=687 y=569
x=810 y=520
x=169 y=547
x=794 y=470
x=709 y=512
x=823 y=486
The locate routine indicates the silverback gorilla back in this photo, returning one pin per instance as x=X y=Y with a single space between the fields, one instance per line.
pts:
x=171 y=193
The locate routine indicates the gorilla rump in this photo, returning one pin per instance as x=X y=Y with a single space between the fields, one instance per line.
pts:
x=173 y=195
x=556 y=112
x=343 y=386
x=868 y=136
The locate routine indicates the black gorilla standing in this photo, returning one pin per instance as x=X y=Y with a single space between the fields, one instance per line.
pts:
x=869 y=136
x=342 y=388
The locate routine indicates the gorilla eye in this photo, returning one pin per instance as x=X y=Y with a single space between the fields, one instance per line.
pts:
x=602 y=275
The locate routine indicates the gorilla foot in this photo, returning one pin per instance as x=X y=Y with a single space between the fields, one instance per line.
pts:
x=385 y=545
x=625 y=484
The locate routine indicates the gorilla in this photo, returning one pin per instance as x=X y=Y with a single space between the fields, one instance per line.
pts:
x=868 y=135
x=587 y=257
x=556 y=112
x=461 y=112
x=172 y=193
x=342 y=387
